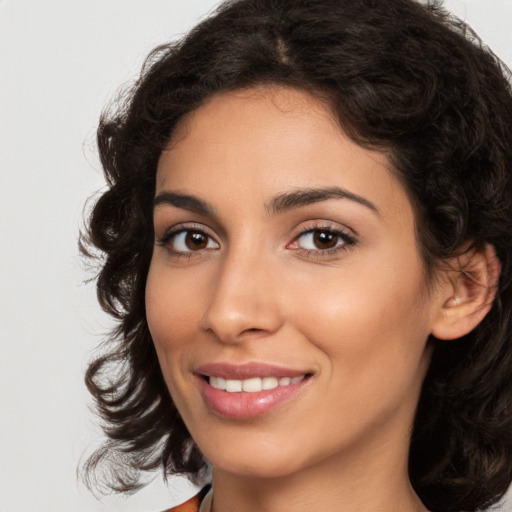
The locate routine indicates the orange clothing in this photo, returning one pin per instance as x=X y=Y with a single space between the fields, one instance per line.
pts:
x=192 y=505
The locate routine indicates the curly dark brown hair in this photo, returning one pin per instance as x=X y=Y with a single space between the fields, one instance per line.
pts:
x=404 y=78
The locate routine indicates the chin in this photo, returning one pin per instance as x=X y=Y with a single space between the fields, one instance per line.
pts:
x=262 y=468
x=254 y=459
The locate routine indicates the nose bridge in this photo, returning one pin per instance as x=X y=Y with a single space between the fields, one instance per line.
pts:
x=243 y=299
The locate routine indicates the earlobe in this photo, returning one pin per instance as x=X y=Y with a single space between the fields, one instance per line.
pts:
x=467 y=292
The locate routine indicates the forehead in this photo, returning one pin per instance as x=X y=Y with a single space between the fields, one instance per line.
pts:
x=265 y=141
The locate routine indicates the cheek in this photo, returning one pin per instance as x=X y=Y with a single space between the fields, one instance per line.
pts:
x=172 y=312
x=373 y=342
x=171 y=307
x=371 y=323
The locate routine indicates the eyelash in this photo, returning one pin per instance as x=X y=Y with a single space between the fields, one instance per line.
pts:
x=347 y=240
x=165 y=240
x=342 y=235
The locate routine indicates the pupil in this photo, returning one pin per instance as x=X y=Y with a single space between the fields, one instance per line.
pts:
x=325 y=240
x=196 y=241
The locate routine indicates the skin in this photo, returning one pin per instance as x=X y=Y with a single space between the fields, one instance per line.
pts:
x=356 y=316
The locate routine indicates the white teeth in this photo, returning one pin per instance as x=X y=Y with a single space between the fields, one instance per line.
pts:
x=269 y=383
x=218 y=382
x=253 y=385
x=233 y=386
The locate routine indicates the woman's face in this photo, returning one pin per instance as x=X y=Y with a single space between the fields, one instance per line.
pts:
x=285 y=269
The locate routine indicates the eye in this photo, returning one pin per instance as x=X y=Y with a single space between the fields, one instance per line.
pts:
x=187 y=241
x=322 y=240
x=319 y=240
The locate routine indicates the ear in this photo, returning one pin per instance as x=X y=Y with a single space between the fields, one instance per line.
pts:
x=467 y=291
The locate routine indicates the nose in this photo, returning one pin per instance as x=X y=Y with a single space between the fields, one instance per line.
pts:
x=244 y=300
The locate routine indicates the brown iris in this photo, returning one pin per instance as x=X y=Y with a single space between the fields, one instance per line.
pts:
x=196 y=241
x=325 y=239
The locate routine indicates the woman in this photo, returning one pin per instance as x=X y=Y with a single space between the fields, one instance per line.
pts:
x=307 y=247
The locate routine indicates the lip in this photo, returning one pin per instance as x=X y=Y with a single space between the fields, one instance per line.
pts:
x=247 y=371
x=247 y=405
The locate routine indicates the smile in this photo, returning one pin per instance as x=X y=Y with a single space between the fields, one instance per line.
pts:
x=252 y=385
x=250 y=390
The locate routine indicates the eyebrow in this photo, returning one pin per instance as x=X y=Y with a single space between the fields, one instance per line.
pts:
x=278 y=204
x=304 y=197
x=184 y=201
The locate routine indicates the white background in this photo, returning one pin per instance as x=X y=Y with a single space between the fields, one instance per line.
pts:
x=60 y=61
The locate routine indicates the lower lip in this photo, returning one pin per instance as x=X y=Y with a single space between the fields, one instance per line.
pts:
x=248 y=405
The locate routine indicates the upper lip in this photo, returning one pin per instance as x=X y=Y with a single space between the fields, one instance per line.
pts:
x=246 y=371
